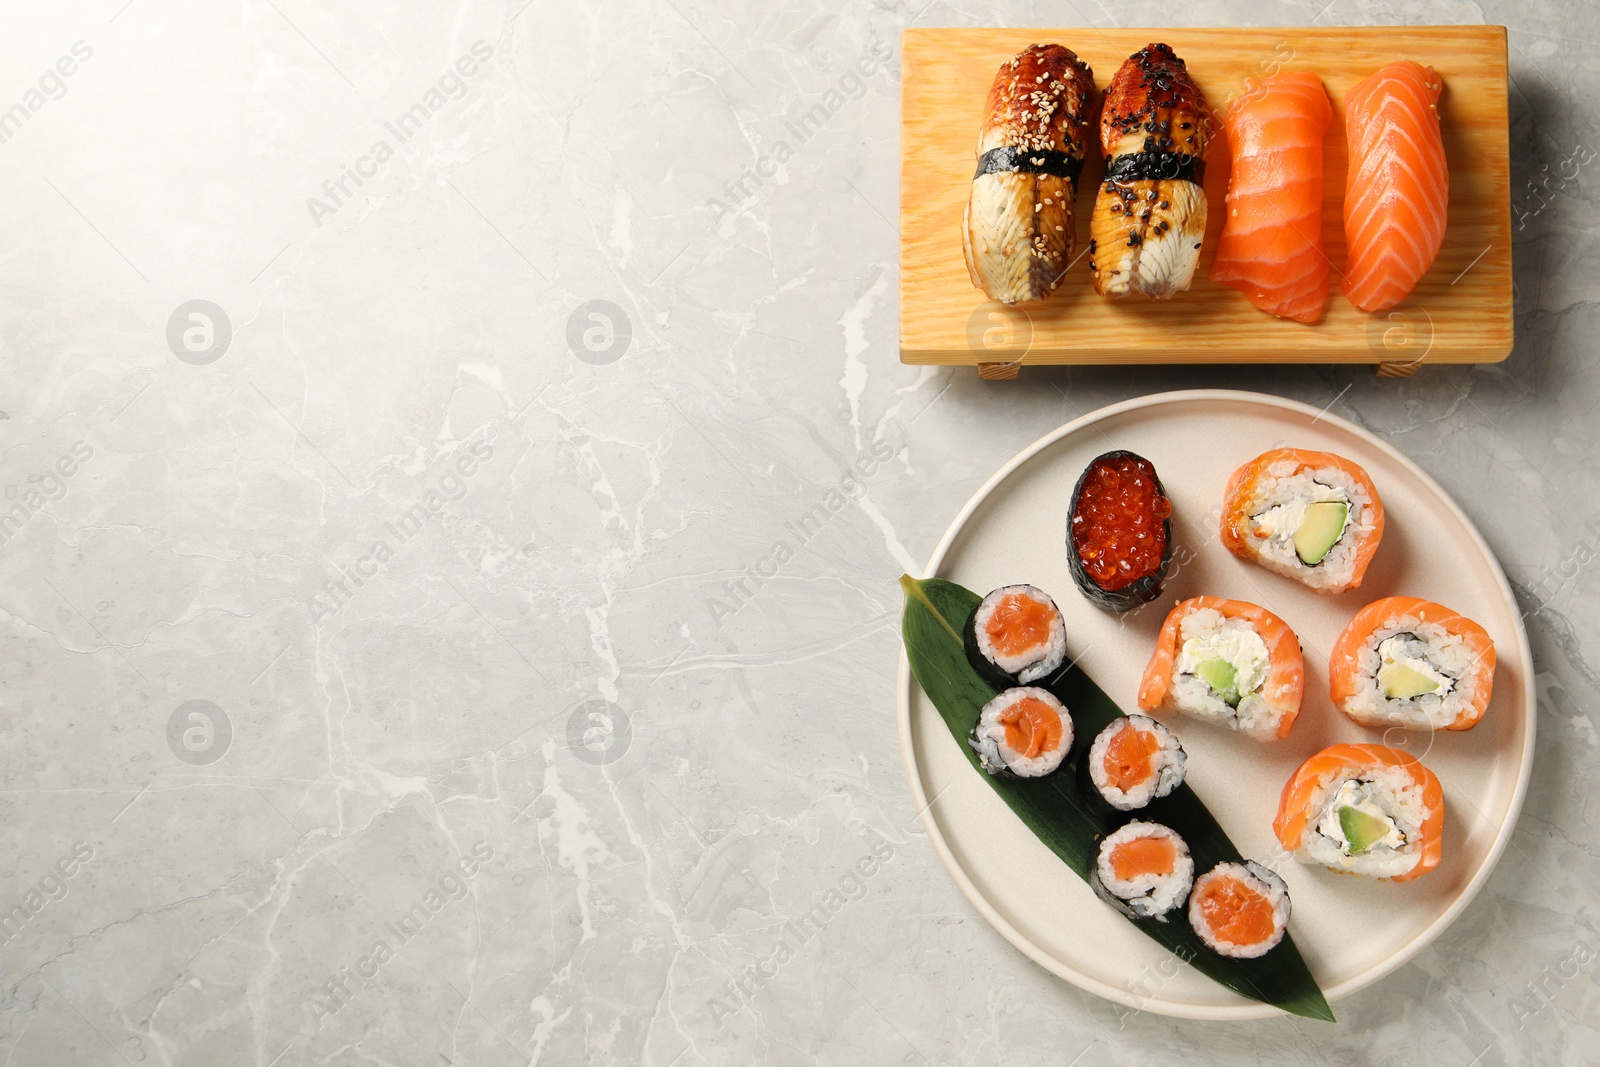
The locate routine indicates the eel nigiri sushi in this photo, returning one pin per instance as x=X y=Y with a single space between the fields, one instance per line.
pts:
x=1150 y=213
x=1365 y=809
x=1311 y=516
x=1405 y=661
x=1397 y=186
x=1230 y=662
x=1271 y=245
x=1017 y=232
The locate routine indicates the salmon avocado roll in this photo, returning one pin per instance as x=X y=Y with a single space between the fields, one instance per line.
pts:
x=1365 y=809
x=1405 y=661
x=1143 y=870
x=1022 y=733
x=1016 y=636
x=1135 y=760
x=1239 y=910
x=1311 y=516
x=1229 y=662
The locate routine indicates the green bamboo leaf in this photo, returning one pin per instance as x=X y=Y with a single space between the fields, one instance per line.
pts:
x=1056 y=808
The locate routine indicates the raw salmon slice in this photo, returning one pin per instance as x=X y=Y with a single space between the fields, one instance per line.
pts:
x=1397 y=186
x=1271 y=247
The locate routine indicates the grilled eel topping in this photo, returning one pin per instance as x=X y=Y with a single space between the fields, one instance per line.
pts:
x=1150 y=213
x=1017 y=230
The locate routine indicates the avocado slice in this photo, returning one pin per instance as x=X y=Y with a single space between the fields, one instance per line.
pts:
x=1361 y=829
x=1319 y=530
x=1402 y=683
x=1221 y=676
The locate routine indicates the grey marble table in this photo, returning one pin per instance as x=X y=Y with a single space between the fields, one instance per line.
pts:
x=420 y=642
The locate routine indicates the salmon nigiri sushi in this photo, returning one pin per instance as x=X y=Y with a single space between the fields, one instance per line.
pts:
x=1397 y=185
x=1404 y=661
x=1363 y=809
x=1230 y=662
x=1271 y=247
x=1312 y=516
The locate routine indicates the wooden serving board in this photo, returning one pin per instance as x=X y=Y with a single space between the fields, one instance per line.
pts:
x=1461 y=312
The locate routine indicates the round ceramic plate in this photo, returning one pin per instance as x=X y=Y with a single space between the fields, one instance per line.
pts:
x=1352 y=931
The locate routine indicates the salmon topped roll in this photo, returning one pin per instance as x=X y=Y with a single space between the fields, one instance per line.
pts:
x=1135 y=760
x=1230 y=662
x=1271 y=246
x=1405 y=661
x=1397 y=184
x=1364 y=809
x=1240 y=910
x=1016 y=636
x=1022 y=733
x=1144 y=870
x=1311 y=516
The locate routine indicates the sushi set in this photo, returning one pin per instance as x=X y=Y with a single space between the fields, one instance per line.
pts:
x=1291 y=195
x=1217 y=713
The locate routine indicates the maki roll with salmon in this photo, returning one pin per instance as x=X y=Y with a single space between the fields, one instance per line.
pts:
x=1144 y=870
x=1119 y=532
x=1311 y=516
x=1016 y=636
x=1230 y=662
x=1133 y=761
x=1405 y=661
x=1022 y=733
x=1364 y=809
x=1240 y=910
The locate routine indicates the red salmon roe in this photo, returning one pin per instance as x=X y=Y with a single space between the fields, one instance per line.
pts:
x=1118 y=528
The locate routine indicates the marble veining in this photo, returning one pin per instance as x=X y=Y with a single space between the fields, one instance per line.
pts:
x=455 y=465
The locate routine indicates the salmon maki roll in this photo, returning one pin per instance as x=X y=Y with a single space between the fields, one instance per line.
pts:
x=1311 y=516
x=1133 y=761
x=1144 y=870
x=1022 y=733
x=1405 y=661
x=1363 y=809
x=1016 y=636
x=1240 y=910
x=1271 y=246
x=1397 y=185
x=1229 y=662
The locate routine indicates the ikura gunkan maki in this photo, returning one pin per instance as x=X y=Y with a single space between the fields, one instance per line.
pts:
x=1135 y=760
x=1023 y=733
x=1239 y=910
x=1016 y=636
x=1119 y=537
x=1143 y=869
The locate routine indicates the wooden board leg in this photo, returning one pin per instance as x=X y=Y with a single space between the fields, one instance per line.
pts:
x=998 y=372
x=1398 y=370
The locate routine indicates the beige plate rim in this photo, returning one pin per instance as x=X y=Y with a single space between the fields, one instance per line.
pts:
x=1244 y=1009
